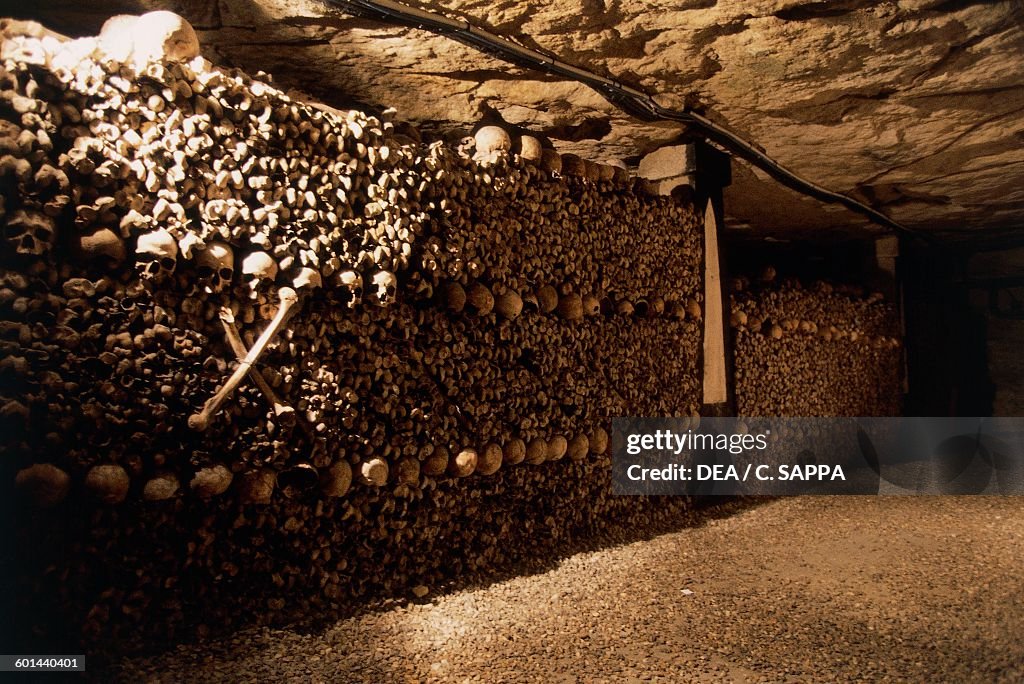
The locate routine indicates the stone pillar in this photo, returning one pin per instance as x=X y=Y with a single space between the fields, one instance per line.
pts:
x=887 y=252
x=669 y=168
x=885 y=279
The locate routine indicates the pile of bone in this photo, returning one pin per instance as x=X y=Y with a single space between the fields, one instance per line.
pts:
x=216 y=212
x=823 y=350
x=779 y=307
x=281 y=337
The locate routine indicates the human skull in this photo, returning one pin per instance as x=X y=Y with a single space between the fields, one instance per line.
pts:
x=573 y=165
x=117 y=37
x=108 y=483
x=491 y=143
x=102 y=244
x=385 y=288
x=45 y=484
x=551 y=161
x=30 y=232
x=492 y=139
x=307 y=278
x=156 y=255
x=259 y=270
x=350 y=287
x=215 y=266
x=530 y=148
x=211 y=481
x=163 y=36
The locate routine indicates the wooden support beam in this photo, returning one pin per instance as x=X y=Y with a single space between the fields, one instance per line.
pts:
x=716 y=382
x=699 y=172
x=713 y=173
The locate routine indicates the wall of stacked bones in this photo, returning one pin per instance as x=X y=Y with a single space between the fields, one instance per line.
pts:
x=814 y=349
x=440 y=335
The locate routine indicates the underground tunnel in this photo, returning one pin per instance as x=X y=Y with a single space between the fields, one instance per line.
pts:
x=333 y=333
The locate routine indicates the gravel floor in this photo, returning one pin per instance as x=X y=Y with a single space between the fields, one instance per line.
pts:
x=924 y=589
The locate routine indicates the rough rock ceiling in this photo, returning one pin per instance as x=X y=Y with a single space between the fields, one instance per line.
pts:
x=916 y=106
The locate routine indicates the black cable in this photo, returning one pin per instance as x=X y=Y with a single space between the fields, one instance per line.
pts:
x=634 y=102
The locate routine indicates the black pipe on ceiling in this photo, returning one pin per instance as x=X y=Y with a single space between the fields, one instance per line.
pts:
x=630 y=100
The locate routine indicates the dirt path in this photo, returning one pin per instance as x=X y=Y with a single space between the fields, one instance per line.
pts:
x=925 y=589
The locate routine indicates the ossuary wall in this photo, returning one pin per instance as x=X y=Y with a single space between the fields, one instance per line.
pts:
x=429 y=341
x=814 y=350
x=462 y=322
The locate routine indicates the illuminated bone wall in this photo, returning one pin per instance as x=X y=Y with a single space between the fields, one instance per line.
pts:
x=462 y=323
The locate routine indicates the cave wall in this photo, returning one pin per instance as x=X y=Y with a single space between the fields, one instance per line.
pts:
x=467 y=322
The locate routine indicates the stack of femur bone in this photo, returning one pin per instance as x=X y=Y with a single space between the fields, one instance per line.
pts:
x=820 y=350
x=461 y=325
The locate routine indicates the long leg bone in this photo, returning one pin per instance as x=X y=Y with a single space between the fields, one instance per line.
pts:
x=281 y=410
x=201 y=420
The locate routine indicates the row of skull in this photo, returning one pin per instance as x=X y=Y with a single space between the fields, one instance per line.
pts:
x=157 y=255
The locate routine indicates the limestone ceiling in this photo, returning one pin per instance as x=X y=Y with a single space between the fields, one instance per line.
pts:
x=916 y=106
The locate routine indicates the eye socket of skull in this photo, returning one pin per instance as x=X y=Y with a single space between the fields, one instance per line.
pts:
x=226 y=273
x=167 y=263
x=205 y=272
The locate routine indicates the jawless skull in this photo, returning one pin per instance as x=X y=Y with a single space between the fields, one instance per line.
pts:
x=30 y=233
x=215 y=267
x=385 y=288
